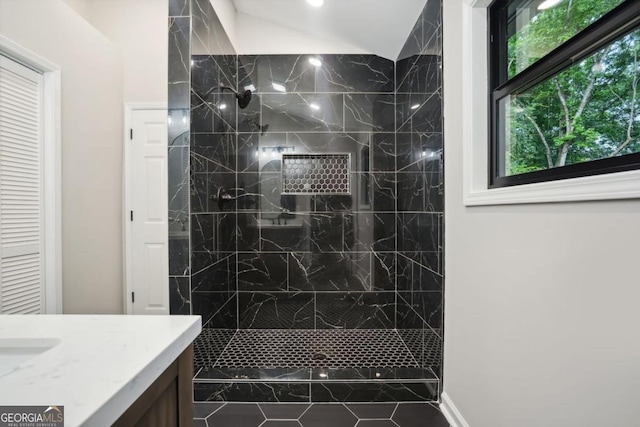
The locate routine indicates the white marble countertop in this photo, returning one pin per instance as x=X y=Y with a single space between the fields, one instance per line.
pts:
x=99 y=365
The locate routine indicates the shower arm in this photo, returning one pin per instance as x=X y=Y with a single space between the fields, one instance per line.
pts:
x=221 y=88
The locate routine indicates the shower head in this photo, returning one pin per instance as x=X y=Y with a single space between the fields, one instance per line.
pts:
x=243 y=98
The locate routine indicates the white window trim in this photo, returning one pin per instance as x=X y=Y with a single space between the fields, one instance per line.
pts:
x=52 y=174
x=476 y=192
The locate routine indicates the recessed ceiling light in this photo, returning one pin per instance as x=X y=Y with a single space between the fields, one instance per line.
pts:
x=548 y=4
x=223 y=106
x=315 y=62
x=278 y=87
x=316 y=3
x=315 y=107
x=415 y=106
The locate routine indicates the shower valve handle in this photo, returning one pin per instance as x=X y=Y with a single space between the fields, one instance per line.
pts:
x=223 y=198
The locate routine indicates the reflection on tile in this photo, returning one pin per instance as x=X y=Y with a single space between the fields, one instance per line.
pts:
x=384 y=152
x=419 y=113
x=179 y=67
x=179 y=295
x=384 y=232
x=419 y=152
x=206 y=304
x=213 y=271
x=330 y=271
x=370 y=112
x=419 y=74
x=209 y=37
x=428 y=305
x=419 y=192
x=331 y=374
x=213 y=153
x=251 y=392
x=354 y=73
x=179 y=8
x=368 y=310
x=276 y=310
x=295 y=112
x=252 y=374
x=212 y=71
x=418 y=232
x=294 y=73
x=262 y=272
x=383 y=271
x=374 y=392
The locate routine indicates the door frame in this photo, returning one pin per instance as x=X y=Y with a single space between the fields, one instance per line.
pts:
x=51 y=164
x=129 y=108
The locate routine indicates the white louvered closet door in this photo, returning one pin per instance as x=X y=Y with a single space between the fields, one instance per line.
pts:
x=21 y=201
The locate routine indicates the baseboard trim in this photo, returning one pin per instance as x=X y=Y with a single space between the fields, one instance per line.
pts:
x=451 y=413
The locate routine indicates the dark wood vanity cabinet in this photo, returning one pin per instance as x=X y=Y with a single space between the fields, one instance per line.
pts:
x=168 y=401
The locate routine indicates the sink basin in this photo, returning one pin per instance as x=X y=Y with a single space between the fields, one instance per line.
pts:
x=16 y=351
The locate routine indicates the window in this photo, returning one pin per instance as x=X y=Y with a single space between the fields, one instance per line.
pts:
x=564 y=89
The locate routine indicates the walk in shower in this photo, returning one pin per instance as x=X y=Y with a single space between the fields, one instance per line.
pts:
x=306 y=219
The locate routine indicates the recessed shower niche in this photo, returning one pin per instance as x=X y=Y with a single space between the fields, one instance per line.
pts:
x=315 y=250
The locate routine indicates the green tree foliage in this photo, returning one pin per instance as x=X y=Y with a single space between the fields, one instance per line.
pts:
x=587 y=112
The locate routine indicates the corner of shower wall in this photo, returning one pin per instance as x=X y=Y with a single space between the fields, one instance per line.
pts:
x=202 y=141
x=419 y=144
x=179 y=73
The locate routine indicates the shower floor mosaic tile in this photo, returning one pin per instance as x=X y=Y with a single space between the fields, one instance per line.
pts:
x=341 y=348
x=318 y=415
x=323 y=365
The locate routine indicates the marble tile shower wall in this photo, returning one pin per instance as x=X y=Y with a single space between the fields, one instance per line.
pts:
x=179 y=74
x=420 y=178
x=267 y=260
x=194 y=29
x=301 y=261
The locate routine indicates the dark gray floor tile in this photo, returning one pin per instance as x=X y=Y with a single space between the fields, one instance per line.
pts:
x=281 y=424
x=245 y=415
x=199 y=423
x=283 y=411
x=419 y=414
x=328 y=415
x=204 y=409
x=377 y=423
x=372 y=410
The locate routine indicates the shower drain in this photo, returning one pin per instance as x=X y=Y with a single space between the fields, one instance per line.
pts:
x=319 y=356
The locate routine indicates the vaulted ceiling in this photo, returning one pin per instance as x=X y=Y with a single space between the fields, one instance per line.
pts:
x=377 y=26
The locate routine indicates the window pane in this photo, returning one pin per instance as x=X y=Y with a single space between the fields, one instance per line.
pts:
x=535 y=28
x=588 y=112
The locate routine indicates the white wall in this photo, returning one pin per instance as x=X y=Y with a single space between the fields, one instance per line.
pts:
x=91 y=147
x=256 y=36
x=541 y=308
x=226 y=11
x=139 y=30
x=80 y=6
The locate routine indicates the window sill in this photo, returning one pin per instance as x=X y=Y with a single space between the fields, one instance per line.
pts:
x=622 y=185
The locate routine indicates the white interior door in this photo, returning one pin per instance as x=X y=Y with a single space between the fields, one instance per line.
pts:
x=147 y=181
x=22 y=285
